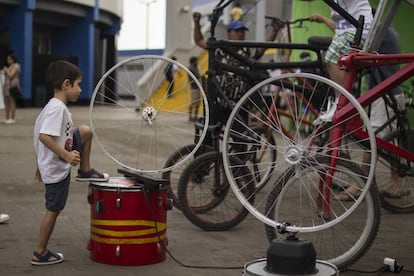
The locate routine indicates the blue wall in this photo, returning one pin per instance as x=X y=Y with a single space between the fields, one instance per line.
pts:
x=80 y=41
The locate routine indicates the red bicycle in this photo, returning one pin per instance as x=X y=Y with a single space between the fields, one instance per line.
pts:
x=303 y=197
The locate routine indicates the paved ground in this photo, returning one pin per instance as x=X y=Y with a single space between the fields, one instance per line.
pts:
x=221 y=253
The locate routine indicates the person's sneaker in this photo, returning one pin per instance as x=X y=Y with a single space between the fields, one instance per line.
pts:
x=327 y=115
x=10 y=121
x=4 y=218
x=92 y=175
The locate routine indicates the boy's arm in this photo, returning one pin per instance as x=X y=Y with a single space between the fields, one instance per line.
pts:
x=72 y=157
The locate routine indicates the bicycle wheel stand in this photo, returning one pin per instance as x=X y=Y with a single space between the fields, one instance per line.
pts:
x=290 y=256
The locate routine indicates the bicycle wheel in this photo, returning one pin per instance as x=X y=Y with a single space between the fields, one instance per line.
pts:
x=296 y=147
x=342 y=244
x=205 y=195
x=174 y=175
x=395 y=174
x=151 y=126
x=260 y=157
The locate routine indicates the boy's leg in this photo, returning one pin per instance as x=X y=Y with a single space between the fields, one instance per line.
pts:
x=83 y=143
x=46 y=229
x=86 y=142
x=56 y=196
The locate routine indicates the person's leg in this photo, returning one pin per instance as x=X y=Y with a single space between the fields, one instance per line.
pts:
x=196 y=103
x=56 y=196
x=335 y=74
x=82 y=142
x=170 y=86
x=12 y=109
x=86 y=142
x=191 y=107
x=46 y=229
x=7 y=107
x=196 y=107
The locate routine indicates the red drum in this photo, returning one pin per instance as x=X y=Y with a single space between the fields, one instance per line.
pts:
x=128 y=223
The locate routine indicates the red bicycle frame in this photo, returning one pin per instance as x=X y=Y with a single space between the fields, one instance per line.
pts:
x=352 y=63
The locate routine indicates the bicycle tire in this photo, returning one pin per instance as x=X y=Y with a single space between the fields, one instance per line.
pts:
x=210 y=207
x=342 y=244
x=261 y=175
x=174 y=175
x=298 y=148
x=405 y=171
x=145 y=124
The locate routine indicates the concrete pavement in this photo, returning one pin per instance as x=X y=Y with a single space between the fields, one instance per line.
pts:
x=218 y=253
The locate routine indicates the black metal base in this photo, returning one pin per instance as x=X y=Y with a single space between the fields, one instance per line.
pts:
x=291 y=256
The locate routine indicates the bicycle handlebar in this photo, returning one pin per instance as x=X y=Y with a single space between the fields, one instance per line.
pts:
x=289 y=22
x=217 y=12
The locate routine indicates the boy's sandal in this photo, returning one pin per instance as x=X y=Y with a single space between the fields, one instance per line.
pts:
x=92 y=175
x=398 y=194
x=48 y=259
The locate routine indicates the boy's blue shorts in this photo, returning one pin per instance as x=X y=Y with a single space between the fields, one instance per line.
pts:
x=56 y=195
x=77 y=141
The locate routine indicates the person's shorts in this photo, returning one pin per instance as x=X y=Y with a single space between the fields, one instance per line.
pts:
x=57 y=194
x=77 y=141
x=340 y=45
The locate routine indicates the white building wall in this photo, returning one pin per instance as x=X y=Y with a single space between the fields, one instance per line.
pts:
x=178 y=30
x=179 y=22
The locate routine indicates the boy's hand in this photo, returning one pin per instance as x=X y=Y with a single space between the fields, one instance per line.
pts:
x=38 y=177
x=73 y=157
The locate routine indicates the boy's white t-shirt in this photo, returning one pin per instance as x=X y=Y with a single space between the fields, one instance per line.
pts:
x=356 y=8
x=55 y=120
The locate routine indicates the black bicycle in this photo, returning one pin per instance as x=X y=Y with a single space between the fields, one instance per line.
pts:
x=202 y=182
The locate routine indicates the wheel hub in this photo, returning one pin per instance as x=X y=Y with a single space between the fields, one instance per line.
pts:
x=293 y=154
x=149 y=114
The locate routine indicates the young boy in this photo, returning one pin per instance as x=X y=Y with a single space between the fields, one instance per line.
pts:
x=59 y=146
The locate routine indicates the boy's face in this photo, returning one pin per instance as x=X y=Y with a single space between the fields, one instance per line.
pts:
x=74 y=90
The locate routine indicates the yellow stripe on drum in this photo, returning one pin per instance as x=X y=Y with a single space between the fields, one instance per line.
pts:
x=108 y=222
x=120 y=233
x=128 y=241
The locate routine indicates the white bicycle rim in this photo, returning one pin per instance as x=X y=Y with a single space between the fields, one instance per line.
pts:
x=287 y=146
x=140 y=130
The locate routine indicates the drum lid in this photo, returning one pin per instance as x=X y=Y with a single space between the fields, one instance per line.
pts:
x=118 y=182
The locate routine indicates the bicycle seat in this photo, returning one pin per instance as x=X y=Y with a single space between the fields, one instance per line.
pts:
x=321 y=42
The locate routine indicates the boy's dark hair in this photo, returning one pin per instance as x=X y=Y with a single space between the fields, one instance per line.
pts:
x=58 y=71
